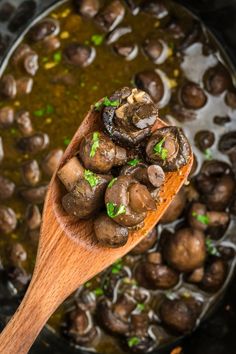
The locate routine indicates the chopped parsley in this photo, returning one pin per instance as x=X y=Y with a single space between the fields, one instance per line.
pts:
x=112 y=182
x=133 y=162
x=57 y=57
x=211 y=248
x=91 y=178
x=106 y=102
x=159 y=150
x=117 y=266
x=204 y=219
x=66 y=141
x=132 y=341
x=97 y=39
x=114 y=210
x=95 y=144
x=44 y=111
x=141 y=307
x=98 y=291
x=208 y=154
x=88 y=284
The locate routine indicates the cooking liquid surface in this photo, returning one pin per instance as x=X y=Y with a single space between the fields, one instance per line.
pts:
x=69 y=104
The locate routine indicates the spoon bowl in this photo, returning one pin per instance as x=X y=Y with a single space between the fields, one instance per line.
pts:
x=68 y=253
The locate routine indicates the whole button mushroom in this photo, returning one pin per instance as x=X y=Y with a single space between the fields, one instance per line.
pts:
x=193 y=96
x=180 y=315
x=71 y=173
x=156 y=50
x=155 y=8
x=169 y=148
x=151 y=82
x=214 y=275
x=34 y=143
x=8 y=219
x=33 y=217
x=51 y=161
x=109 y=233
x=20 y=53
x=216 y=182
x=79 y=54
x=17 y=254
x=43 y=29
x=129 y=116
x=27 y=58
x=87 y=8
x=110 y=16
x=8 y=86
x=126 y=50
x=227 y=145
x=24 y=85
x=217 y=80
x=230 y=99
x=7 y=188
x=175 y=208
x=24 y=123
x=6 y=117
x=88 y=192
x=31 y=173
x=99 y=154
x=185 y=250
x=128 y=201
x=147 y=243
x=34 y=195
x=204 y=139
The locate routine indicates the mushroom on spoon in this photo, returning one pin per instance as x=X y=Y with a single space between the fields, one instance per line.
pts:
x=68 y=253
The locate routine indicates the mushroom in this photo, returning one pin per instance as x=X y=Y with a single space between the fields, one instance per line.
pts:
x=24 y=85
x=51 y=44
x=155 y=8
x=17 y=254
x=110 y=16
x=8 y=219
x=230 y=99
x=33 y=217
x=99 y=154
x=215 y=181
x=180 y=315
x=34 y=195
x=117 y=33
x=150 y=82
x=127 y=201
x=196 y=276
x=6 y=117
x=214 y=275
x=227 y=145
x=24 y=123
x=18 y=278
x=169 y=148
x=129 y=51
x=185 y=250
x=128 y=121
x=79 y=54
x=175 y=208
x=226 y=253
x=8 y=86
x=146 y=243
x=7 y=188
x=151 y=176
x=43 y=29
x=156 y=50
x=87 y=8
x=34 y=143
x=204 y=139
x=51 y=161
x=1 y=150
x=86 y=192
x=27 y=58
x=221 y=120
x=109 y=233
x=192 y=96
x=80 y=327
x=31 y=173
x=217 y=79
x=70 y=173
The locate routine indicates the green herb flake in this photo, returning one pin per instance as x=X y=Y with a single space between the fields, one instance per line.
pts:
x=44 y=111
x=132 y=341
x=88 y=284
x=134 y=162
x=98 y=291
x=117 y=266
x=112 y=182
x=57 y=57
x=159 y=150
x=208 y=154
x=106 y=102
x=91 y=178
x=39 y=112
x=97 y=39
x=13 y=131
x=204 y=219
x=49 y=109
x=114 y=210
x=211 y=248
x=141 y=307
x=66 y=141
x=95 y=144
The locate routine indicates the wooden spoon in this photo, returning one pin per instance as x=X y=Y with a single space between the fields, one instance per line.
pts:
x=68 y=254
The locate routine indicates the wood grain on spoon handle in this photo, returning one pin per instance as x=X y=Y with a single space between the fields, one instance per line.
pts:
x=68 y=254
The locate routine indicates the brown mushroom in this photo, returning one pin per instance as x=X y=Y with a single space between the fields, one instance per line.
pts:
x=146 y=243
x=217 y=80
x=34 y=195
x=87 y=8
x=185 y=250
x=79 y=54
x=7 y=188
x=193 y=96
x=33 y=217
x=31 y=173
x=156 y=50
x=8 y=219
x=214 y=275
x=204 y=139
x=6 y=117
x=17 y=254
x=8 y=86
x=34 y=143
x=111 y=15
x=70 y=173
x=175 y=208
x=43 y=29
x=51 y=161
x=151 y=82
x=24 y=123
